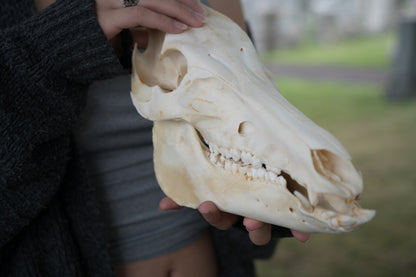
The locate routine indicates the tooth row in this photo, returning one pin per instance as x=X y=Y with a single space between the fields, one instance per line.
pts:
x=244 y=163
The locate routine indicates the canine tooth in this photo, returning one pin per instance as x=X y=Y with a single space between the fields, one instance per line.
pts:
x=313 y=197
x=303 y=200
x=337 y=203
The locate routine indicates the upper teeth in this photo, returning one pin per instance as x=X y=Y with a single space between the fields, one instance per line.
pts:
x=245 y=163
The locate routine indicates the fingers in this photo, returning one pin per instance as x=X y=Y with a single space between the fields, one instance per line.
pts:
x=140 y=36
x=259 y=232
x=134 y=16
x=168 y=204
x=300 y=236
x=189 y=12
x=171 y=16
x=215 y=217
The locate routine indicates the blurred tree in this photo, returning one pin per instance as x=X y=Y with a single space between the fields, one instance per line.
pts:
x=403 y=78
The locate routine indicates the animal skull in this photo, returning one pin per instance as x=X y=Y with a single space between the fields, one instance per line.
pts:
x=223 y=132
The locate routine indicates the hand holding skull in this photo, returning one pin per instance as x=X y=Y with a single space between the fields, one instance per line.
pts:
x=259 y=232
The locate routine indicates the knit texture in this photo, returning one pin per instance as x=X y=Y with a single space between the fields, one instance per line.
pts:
x=49 y=222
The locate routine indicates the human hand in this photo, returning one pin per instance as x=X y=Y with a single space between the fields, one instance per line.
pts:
x=171 y=16
x=259 y=232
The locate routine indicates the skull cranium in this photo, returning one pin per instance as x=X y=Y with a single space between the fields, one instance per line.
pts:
x=223 y=132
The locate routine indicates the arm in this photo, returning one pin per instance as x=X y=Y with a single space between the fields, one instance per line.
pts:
x=45 y=64
x=232 y=9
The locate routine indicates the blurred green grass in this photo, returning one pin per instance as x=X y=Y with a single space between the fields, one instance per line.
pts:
x=381 y=138
x=364 y=52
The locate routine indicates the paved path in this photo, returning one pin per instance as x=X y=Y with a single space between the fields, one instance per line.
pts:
x=330 y=73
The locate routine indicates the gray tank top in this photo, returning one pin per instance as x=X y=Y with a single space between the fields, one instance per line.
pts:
x=116 y=143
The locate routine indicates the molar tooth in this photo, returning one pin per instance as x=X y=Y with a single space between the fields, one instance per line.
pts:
x=256 y=163
x=213 y=148
x=245 y=157
x=228 y=165
x=270 y=176
x=228 y=154
x=250 y=172
x=255 y=173
x=222 y=151
x=261 y=172
x=280 y=180
x=213 y=158
x=222 y=159
x=243 y=169
x=235 y=154
x=234 y=168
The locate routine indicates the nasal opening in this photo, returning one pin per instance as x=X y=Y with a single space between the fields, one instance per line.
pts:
x=334 y=168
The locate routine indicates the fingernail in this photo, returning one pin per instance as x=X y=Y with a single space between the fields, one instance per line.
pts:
x=199 y=16
x=204 y=211
x=180 y=26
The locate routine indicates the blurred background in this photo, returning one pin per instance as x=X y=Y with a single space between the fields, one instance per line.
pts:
x=351 y=67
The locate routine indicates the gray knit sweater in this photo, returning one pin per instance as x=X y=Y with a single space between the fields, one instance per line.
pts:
x=49 y=222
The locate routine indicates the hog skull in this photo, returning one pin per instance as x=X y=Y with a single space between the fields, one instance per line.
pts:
x=223 y=132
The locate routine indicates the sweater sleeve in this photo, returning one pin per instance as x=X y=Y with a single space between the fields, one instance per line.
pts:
x=46 y=63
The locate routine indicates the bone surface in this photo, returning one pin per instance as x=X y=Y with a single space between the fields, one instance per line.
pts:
x=223 y=132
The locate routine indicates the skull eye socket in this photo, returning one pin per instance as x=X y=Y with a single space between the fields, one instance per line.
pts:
x=245 y=128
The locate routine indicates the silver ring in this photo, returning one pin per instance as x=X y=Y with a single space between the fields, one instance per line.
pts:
x=129 y=3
